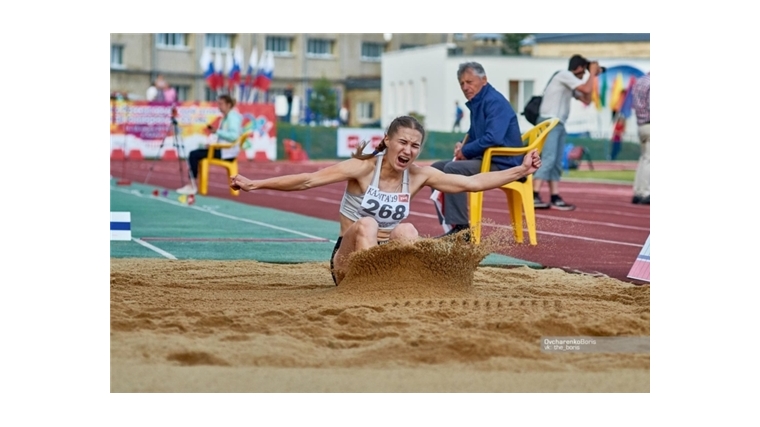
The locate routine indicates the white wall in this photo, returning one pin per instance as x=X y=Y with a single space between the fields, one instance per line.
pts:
x=442 y=88
x=416 y=65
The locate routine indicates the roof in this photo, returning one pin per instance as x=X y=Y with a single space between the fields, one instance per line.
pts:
x=588 y=38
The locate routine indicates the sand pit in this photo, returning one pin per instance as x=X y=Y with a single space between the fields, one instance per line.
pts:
x=403 y=320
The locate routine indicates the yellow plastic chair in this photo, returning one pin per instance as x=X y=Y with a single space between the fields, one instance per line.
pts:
x=230 y=165
x=519 y=194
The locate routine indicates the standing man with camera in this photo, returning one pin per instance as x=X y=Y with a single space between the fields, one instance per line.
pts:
x=562 y=88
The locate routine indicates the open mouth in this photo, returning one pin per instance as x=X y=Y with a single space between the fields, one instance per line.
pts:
x=402 y=160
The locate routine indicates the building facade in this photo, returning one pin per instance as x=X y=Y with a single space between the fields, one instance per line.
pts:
x=424 y=80
x=352 y=63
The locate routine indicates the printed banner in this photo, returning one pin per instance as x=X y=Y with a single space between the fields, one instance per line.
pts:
x=163 y=130
x=350 y=138
x=640 y=268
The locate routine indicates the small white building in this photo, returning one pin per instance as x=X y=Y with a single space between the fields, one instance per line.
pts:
x=424 y=80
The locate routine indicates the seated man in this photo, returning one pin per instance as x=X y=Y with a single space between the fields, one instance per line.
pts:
x=493 y=123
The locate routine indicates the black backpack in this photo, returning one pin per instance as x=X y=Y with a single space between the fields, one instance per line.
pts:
x=531 y=109
x=534 y=105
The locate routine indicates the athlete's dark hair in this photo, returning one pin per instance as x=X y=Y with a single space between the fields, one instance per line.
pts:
x=408 y=122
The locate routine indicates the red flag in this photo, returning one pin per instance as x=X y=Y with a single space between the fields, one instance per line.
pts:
x=266 y=69
x=207 y=65
x=219 y=71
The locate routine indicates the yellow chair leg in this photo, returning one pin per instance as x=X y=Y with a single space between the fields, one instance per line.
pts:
x=203 y=177
x=515 y=214
x=476 y=215
x=530 y=215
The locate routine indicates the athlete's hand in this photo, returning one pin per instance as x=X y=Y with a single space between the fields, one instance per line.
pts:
x=239 y=182
x=532 y=161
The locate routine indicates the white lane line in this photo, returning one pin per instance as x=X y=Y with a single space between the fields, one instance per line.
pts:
x=154 y=248
x=250 y=221
x=569 y=236
x=330 y=201
x=264 y=224
x=584 y=210
x=579 y=221
x=485 y=209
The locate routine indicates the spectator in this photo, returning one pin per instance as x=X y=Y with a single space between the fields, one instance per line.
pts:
x=458 y=116
x=641 y=106
x=493 y=123
x=152 y=92
x=230 y=129
x=562 y=88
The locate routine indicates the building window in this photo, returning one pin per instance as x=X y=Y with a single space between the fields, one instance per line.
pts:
x=372 y=51
x=460 y=37
x=456 y=51
x=171 y=40
x=221 y=41
x=320 y=47
x=117 y=56
x=183 y=92
x=365 y=111
x=208 y=94
x=278 y=44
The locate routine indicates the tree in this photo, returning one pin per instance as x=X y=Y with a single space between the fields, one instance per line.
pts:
x=323 y=101
x=512 y=43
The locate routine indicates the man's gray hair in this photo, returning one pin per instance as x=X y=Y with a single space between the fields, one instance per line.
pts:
x=474 y=66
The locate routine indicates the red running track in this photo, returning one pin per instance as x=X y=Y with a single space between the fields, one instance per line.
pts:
x=603 y=236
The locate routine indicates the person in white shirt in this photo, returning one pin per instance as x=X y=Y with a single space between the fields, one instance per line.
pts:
x=562 y=88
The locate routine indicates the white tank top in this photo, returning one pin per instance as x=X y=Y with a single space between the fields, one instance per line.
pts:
x=388 y=209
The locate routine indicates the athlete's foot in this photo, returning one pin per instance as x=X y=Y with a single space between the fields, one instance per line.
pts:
x=456 y=229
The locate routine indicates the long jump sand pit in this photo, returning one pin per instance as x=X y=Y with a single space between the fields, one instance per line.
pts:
x=406 y=318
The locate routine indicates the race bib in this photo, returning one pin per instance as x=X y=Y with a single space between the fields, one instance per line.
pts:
x=388 y=209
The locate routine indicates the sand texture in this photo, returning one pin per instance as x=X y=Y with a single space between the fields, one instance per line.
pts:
x=406 y=318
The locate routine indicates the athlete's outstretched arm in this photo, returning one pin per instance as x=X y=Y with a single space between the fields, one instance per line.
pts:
x=343 y=171
x=450 y=183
